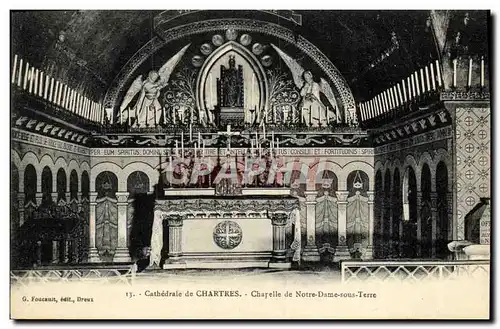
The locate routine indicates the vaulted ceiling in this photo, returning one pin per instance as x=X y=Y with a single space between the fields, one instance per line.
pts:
x=372 y=49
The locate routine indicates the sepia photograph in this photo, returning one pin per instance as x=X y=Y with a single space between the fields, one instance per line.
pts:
x=250 y=164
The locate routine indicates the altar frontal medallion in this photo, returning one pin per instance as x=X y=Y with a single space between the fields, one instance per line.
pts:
x=245 y=39
x=206 y=49
x=231 y=34
x=217 y=40
x=227 y=234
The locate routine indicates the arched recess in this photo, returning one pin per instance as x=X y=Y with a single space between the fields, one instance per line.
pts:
x=106 y=166
x=61 y=184
x=354 y=166
x=127 y=72
x=326 y=211
x=73 y=185
x=248 y=57
x=358 y=181
x=143 y=167
x=47 y=184
x=426 y=211
x=137 y=183
x=85 y=185
x=30 y=158
x=443 y=224
x=106 y=185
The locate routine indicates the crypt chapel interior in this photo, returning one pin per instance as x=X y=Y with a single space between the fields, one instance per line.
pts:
x=259 y=138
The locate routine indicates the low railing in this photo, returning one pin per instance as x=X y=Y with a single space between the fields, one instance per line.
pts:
x=123 y=275
x=416 y=271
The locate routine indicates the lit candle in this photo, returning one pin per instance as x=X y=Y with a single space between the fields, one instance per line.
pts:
x=177 y=148
x=19 y=76
x=386 y=101
x=362 y=110
x=272 y=139
x=40 y=85
x=25 y=80
x=422 y=80
x=310 y=114
x=264 y=131
x=438 y=70
x=14 y=67
x=190 y=132
x=195 y=149
x=469 y=78
x=170 y=164
x=455 y=72
x=56 y=92
x=433 y=77
x=327 y=115
x=482 y=71
x=46 y=89
x=404 y=90
x=427 y=78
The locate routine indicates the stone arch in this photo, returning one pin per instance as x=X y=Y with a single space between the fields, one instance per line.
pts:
x=15 y=160
x=85 y=184
x=73 y=165
x=426 y=210
x=84 y=166
x=378 y=165
x=47 y=183
x=248 y=56
x=411 y=162
x=105 y=166
x=126 y=73
x=108 y=184
x=30 y=182
x=357 y=165
x=353 y=180
x=138 y=177
x=442 y=155
x=319 y=168
x=48 y=161
x=396 y=164
x=74 y=185
x=138 y=166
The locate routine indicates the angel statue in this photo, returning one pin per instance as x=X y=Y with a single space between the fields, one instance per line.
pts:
x=148 y=110
x=314 y=112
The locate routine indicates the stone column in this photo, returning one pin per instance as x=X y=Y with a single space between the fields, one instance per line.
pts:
x=371 y=226
x=418 y=245
x=175 y=223
x=342 y=252
x=20 y=200
x=434 y=218
x=55 y=252
x=279 y=246
x=80 y=201
x=122 y=253
x=67 y=250
x=93 y=255
x=38 y=256
x=68 y=197
x=311 y=253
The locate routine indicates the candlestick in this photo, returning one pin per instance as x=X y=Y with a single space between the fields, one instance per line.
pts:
x=310 y=114
x=170 y=164
x=482 y=71
x=35 y=90
x=203 y=150
x=392 y=101
x=41 y=85
x=195 y=149
x=327 y=115
x=190 y=132
x=264 y=131
x=51 y=89
x=422 y=80
x=400 y=95
x=469 y=78
x=19 y=76
x=455 y=72
x=417 y=84
x=433 y=77
x=176 y=148
x=438 y=70
x=272 y=140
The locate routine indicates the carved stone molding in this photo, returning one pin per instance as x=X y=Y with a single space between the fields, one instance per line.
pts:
x=279 y=219
x=174 y=220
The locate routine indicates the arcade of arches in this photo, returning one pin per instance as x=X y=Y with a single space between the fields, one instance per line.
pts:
x=362 y=170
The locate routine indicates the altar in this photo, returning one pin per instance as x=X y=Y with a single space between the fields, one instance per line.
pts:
x=223 y=231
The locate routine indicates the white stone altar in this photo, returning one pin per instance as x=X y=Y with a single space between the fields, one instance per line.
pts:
x=224 y=231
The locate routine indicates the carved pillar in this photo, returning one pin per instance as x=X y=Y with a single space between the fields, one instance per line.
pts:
x=38 y=198
x=279 y=246
x=20 y=200
x=452 y=226
x=371 y=226
x=418 y=245
x=434 y=218
x=80 y=201
x=67 y=250
x=175 y=223
x=38 y=256
x=54 y=197
x=122 y=254
x=55 y=252
x=342 y=252
x=311 y=253
x=68 y=197
x=93 y=255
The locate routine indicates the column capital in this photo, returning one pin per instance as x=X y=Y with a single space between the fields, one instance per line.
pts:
x=122 y=197
x=371 y=196
x=342 y=196
x=174 y=220
x=310 y=196
x=279 y=219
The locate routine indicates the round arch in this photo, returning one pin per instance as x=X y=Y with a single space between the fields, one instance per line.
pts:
x=426 y=158
x=294 y=166
x=15 y=160
x=411 y=162
x=320 y=167
x=30 y=158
